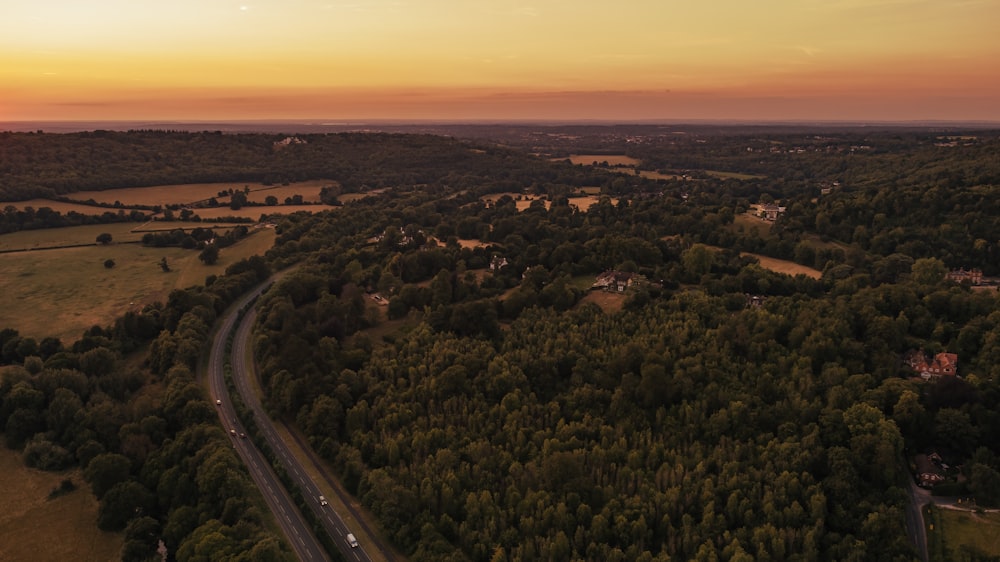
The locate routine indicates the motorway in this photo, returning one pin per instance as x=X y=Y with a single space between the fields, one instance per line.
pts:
x=296 y=529
x=242 y=372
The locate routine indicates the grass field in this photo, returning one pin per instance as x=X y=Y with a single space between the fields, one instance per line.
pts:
x=733 y=175
x=752 y=224
x=981 y=531
x=583 y=203
x=33 y=527
x=87 y=234
x=188 y=193
x=784 y=266
x=611 y=159
x=63 y=292
x=657 y=175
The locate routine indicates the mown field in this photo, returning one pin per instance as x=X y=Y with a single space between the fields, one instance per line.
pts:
x=785 y=266
x=979 y=530
x=957 y=529
x=34 y=527
x=87 y=234
x=62 y=292
x=189 y=193
x=584 y=203
x=611 y=159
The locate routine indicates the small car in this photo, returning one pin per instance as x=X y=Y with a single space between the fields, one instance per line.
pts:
x=243 y=435
x=322 y=501
x=352 y=541
x=232 y=432
x=218 y=402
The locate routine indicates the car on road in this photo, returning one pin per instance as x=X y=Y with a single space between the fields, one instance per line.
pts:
x=232 y=432
x=322 y=501
x=243 y=435
x=352 y=541
x=218 y=402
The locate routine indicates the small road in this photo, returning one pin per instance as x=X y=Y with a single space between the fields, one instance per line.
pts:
x=915 y=518
x=296 y=529
x=243 y=372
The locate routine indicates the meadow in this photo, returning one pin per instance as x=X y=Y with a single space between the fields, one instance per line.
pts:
x=611 y=159
x=964 y=528
x=35 y=527
x=523 y=201
x=62 y=292
x=183 y=194
x=785 y=266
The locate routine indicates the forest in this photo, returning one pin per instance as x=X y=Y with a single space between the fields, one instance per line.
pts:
x=725 y=412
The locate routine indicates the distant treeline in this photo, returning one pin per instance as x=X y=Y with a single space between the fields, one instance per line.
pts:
x=44 y=165
x=29 y=218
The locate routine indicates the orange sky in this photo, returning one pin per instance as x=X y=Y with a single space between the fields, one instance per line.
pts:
x=500 y=59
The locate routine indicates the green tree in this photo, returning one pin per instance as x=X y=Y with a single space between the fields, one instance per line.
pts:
x=104 y=238
x=928 y=271
x=105 y=470
x=210 y=255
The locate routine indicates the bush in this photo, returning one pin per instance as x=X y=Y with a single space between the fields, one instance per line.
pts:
x=45 y=455
x=65 y=487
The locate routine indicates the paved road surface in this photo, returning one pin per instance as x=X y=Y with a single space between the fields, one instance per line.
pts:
x=296 y=529
x=242 y=373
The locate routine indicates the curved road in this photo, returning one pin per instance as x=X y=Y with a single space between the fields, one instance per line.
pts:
x=296 y=529
x=331 y=521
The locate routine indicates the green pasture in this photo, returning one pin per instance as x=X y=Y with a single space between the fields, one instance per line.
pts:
x=36 y=527
x=950 y=530
x=62 y=292
x=733 y=175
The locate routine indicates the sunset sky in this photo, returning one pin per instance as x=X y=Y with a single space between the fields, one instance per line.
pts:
x=210 y=60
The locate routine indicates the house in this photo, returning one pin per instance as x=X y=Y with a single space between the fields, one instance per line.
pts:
x=498 y=263
x=942 y=364
x=928 y=473
x=974 y=276
x=771 y=212
x=615 y=281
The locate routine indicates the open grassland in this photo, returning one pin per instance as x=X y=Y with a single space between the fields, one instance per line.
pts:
x=69 y=236
x=609 y=302
x=649 y=174
x=785 y=266
x=194 y=272
x=733 y=175
x=978 y=530
x=62 y=292
x=34 y=527
x=182 y=194
x=87 y=234
x=611 y=159
x=523 y=201
x=752 y=224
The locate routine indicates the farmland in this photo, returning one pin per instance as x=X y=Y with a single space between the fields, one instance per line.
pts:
x=62 y=292
x=524 y=201
x=611 y=159
x=34 y=527
x=189 y=193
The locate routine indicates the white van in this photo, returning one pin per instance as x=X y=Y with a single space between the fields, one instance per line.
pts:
x=352 y=541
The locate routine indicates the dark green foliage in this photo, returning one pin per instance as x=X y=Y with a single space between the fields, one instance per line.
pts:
x=65 y=487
